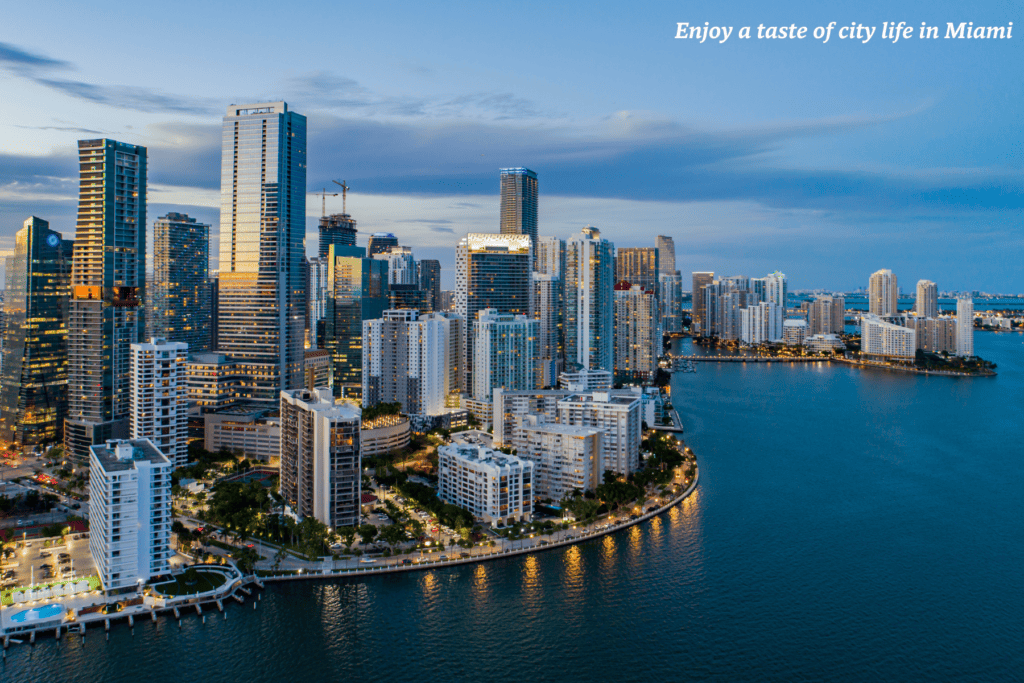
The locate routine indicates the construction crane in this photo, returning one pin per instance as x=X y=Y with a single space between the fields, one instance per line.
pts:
x=323 y=204
x=344 y=193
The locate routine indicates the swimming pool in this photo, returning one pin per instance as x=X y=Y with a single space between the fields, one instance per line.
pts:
x=44 y=612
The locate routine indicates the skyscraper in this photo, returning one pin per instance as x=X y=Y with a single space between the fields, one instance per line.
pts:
x=776 y=291
x=549 y=310
x=550 y=256
x=670 y=295
x=505 y=348
x=638 y=266
x=401 y=265
x=380 y=242
x=338 y=229
x=637 y=336
x=519 y=202
x=34 y=382
x=927 y=305
x=106 y=314
x=262 y=246
x=430 y=282
x=666 y=247
x=589 y=309
x=406 y=360
x=882 y=293
x=826 y=315
x=697 y=314
x=179 y=292
x=160 y=397
x=316 y=295
x=965 y=326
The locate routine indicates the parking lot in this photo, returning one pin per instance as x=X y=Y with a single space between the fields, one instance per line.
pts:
x=34 y=563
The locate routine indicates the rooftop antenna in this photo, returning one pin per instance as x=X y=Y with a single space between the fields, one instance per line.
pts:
x=323 y=205
x=344 y=193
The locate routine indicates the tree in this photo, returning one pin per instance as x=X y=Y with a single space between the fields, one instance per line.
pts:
x=348 y=535
x=367 y=532
x=246 y=559
x=393 y=534
x=279 y=556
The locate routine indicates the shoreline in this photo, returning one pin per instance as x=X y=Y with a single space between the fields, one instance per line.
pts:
x=835 y=359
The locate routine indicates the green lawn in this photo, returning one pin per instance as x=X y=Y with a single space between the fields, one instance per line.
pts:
x=205 y=581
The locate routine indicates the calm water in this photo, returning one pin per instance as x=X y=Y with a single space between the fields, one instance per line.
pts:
x=849 y=526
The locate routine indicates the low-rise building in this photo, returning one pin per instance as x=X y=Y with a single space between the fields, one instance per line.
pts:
x=252 y=430
x=586 y=380
x=495 y=487
x=882 y=340
x=384 y=434
x=822 y=343
x=794 y=332
x=565 y=457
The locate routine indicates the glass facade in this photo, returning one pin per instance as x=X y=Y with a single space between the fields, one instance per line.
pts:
x=34 y=384
x=380 y=242
x=589 y=309
x=519 y=202
x=262 y=288
x=180 y=291
x=339 y=229
x=430 y=282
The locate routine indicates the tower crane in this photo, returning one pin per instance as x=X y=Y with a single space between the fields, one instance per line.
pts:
x=323 y=204
x=344 y=193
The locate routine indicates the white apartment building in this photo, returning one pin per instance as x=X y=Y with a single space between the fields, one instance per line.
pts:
x=320 y=456
x=406 y=360
x=927 y=304
x=794 y=332
x=496 y=488
x=565 y=457
x=881 y=339
x=965 y=327
x=504 y=353
x=585 y=380
x=159 y=400
x=883 y=292
x=619 y=415
x=129 y=512
x=824 y=342
x=401 y=266
x=761 y=323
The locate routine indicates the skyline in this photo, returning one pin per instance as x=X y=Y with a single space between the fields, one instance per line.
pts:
x=754 y=157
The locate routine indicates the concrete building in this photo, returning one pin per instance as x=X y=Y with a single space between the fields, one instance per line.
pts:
x=927 y=303
x=108 y=287
x=338 y=229
x=405 y=360
x=401 y=266
x=638 y=339
x=589 y=302
x=826 y=315
x=159 y=408
x=883 y=294
x=179 y=292
x=882 y=340
x=505 y=353
x=496 y=488
x=761 y=323
x=933 y=335
x=585 y=381
x=316 y=369
x=794 y=332
x=698 y=315
x=129 y=513
x=384 y=434
x=212 y=381
x=819 y=343
x=565 y=457
x=638 y=266
x=549 y=311
x=321 y=473
x=252 y=430
x=776 y=290
x=618 y=415
x=316 y=299
x=551 y=257
x=965 y=327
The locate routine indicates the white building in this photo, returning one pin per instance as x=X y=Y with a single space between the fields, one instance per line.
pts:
x=824 y=342
x=794 y=332
x=619 y=415
x=159 y=401
x=321 y=473
x=886 y=340
x=585 y=380
x=565 y=457
x=496 y=488
x=965 y=327
x=504 y=353
x=550 y=256
x=401 y=266
x=761 y=323
x=776 y=290
x=129 y=512
x=927 y=304
x=883 y=292
x=406 y=360
x=589 y=295
x=316 y=297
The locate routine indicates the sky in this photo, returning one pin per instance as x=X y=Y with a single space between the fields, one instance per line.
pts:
x=826 y=161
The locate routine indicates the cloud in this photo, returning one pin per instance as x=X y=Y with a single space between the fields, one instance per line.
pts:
x=437 y=228
x=11 y=55
x=64 y=129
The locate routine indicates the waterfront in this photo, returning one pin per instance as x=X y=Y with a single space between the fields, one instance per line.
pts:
x=848 y=525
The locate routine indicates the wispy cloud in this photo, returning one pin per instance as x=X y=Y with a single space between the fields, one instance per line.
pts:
x=64 y=129
x=11 y=55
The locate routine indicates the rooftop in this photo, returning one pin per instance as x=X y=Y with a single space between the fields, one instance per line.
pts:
x=122 y=454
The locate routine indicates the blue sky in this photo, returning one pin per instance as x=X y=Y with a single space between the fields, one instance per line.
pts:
x=825 y=161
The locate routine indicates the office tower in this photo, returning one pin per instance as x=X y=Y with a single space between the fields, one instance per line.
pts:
x=213 y=283
x=519 y=202
x=316 y=295
x=430 y=282
x=637 y=337
x=826 y=315
x=965 y=326
x=700 y=280
x=884 y=340
x=380 y=242
x=495 y=487
x=212 y=381
x=338 y=229
x=409 y=296
x=761 y=323
x=550 y=256
x=179 y=294
x=406 y=361
x=589 y=309
x=358 y=291
x=401 y=265
x=927 y=305
x=666 y=248
x=548 y=310
x=670 y=296
x=775 y=289
x=108 y=289
x=565 y=457
x=129 y=513
x=160 y=397
x=882 y=294
x=638 y=266
x=320 y=457
x=34 y=375
x=619 y=415
x=505 y=348
x=491 y=271
x=262 y=246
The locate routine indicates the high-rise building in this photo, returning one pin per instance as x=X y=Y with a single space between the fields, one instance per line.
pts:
x=565 y=457
x=549 y=310
x=670 y=297
x=358 y=291
x=495 y=487
x=338 y=229
x=108 y=288
x=965 y=327
x=882 y=294
x=776 y=290
x=619 y=415
x=761 y=323
x=933 y=335
x=666 y=247
x=882 y=339
x=380 y=242
x=638 y=266
x=519 y=202
x=160 y=397
x=214 y=287
x=927 y=305
x=320 y=457
x=430 y=282
x=406 y=361
x=826 y=315
x=34 y=376
x=698 y=314
x=492 y=271
x=589 y=302
x=506 y=354
x=401 y=265
x=129 y=512
x=637 y=336
x=550 y=256
x=409 y=296
x=317 y=287
x=794 y=332
x=179 y=291
x=262 y=246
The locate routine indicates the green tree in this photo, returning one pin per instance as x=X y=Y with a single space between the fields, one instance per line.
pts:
x=367 y=532
x=246 y=559
x=393 y=534
x=348 y=535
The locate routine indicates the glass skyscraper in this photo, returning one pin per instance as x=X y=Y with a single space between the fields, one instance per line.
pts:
x=180 y=290
x=108 y=288
x=262 y=246
x=34 y=384
x=589 y=302
x=519 y=202
x=380 y=242
x=339 y=229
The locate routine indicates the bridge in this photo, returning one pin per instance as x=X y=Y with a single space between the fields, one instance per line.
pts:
x=751 y=359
